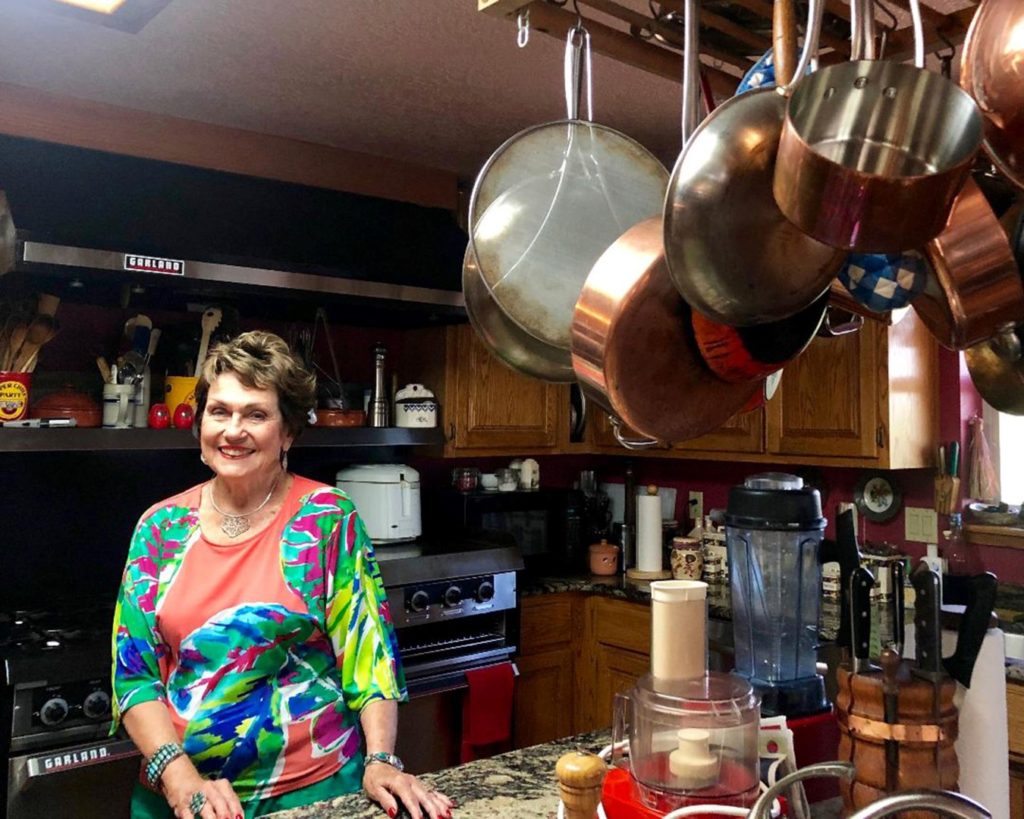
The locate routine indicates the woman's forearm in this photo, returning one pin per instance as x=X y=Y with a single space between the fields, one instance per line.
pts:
x=149 y=725
x=379 y=719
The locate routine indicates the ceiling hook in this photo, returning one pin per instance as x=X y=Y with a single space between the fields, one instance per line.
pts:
x=523 y=27
x=945 y=55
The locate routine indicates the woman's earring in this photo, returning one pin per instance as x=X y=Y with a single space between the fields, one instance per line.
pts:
x=202 y=458
x=284 y=459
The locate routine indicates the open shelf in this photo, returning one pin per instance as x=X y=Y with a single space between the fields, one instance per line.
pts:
x=87 y=440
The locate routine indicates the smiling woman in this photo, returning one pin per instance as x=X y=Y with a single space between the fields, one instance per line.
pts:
x=255 y=662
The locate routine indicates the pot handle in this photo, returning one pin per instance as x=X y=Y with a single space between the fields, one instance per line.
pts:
x=830 y=330
x=577 y=72
x=815 y=12
x=630 y=443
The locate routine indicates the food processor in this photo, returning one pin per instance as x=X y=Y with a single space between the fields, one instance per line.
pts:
x=691 y=734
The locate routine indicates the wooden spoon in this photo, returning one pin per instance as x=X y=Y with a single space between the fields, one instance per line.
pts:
x=14 y=345
x=41 y=330
x=211 y=318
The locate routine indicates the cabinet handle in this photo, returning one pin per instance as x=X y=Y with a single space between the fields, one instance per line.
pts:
x=880 y=436
x=451 y=430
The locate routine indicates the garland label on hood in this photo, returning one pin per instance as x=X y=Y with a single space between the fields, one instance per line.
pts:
x=154 y=264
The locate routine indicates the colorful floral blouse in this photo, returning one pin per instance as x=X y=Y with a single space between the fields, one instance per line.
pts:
x=264 y=651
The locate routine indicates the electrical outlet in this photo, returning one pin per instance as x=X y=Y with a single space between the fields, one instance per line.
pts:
x=696 y=508
x=921 y=524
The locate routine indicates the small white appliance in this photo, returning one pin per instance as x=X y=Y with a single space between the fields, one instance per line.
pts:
x=387 y=498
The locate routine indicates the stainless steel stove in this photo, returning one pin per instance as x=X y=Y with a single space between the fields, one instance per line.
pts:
x=55 y=707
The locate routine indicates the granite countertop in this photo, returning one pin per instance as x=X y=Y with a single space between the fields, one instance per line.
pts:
x=517 y=785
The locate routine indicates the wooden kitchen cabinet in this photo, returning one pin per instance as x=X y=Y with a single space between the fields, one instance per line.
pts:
x=486 y=407
x=866 y=399
x=545 y=688
x=576 y=653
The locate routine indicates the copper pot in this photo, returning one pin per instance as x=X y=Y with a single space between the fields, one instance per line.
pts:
x=997 y=370
x=992 y=71
x=974 y=287
x=633 y=349
x=873 y=153
x=69 y=403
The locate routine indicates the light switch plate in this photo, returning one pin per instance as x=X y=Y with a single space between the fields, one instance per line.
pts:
x=921 y=524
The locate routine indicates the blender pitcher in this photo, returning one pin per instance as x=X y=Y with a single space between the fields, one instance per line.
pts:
x=774 y=528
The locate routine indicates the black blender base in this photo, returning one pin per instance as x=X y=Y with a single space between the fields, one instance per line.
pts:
x=795 y=698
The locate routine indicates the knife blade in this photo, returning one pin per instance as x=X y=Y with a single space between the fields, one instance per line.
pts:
x=927 y=613
x=896 y=580
x=981 y=597
x=847 y=555
x=861 y=582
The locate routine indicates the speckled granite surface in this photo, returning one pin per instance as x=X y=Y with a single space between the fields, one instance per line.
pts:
x=516 y=785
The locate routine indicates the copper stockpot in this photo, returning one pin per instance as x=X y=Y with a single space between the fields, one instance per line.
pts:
x=992 y=71
x=633 y=349
x=872 y=155
x=974 y=287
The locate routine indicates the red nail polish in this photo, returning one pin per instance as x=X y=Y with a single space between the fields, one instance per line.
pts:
x=392 y=812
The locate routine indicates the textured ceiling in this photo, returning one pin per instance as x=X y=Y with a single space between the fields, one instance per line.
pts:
x=429 y=81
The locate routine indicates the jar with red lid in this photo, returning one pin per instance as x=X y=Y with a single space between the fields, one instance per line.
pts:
x=466 y=478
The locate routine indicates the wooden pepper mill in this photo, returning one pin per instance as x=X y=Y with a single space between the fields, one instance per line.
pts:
x=580 y=777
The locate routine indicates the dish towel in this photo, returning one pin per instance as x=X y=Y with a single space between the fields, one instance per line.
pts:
x=487 y=711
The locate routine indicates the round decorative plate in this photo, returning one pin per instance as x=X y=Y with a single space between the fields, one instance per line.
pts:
x=877 y=497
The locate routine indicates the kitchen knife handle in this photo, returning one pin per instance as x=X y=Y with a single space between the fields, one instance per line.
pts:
x=981 y=597
x=861 y=582
x=927 y=614
x=899 y=612
x=848 y=556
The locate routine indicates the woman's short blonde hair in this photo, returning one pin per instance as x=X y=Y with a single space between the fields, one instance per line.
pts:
x=262 y=361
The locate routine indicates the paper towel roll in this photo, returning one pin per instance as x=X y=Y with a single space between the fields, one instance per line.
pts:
x=981 y=744
x=648 y=533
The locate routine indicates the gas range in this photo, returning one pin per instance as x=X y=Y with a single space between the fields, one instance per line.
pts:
x=56 y=674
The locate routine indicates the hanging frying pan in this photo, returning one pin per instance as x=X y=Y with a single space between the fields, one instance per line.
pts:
x=992 y=71
x=551 y=200
x=974 y=287
x=873 y=153
x=633 y=348
x=506 y=339
x=730 y=251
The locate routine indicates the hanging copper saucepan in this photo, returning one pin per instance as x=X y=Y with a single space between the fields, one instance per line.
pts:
x=633 y=348
x=997 y=370
x=992 y=71
x=873 y=153
x=731 y=253
x=551 y=200
x=974 y=287
x=506 y=339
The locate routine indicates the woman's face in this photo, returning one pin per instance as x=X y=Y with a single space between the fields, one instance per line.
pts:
x=242 y=433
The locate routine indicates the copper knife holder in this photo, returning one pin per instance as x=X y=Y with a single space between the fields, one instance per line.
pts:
x=926 y=726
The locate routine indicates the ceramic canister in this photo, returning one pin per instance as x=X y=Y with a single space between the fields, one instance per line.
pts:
x=687 y=558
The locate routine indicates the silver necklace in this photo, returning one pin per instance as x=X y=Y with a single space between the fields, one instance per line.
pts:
x=234 y=525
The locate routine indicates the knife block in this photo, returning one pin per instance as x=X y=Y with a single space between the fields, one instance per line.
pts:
x=925 y=733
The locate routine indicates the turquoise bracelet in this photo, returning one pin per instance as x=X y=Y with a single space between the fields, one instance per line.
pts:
x=158 y=763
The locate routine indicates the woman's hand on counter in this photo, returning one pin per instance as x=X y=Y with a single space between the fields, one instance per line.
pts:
x=181 y=781
x=391 y=788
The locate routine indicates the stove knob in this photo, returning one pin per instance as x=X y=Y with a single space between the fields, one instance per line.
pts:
x=485 y=592
x=53 y=711
x=96 y=705
x=419 y=601
x=452 y=596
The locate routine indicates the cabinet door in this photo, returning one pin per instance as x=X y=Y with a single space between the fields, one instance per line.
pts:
x=495 y=408
x=828 y=402
x=544 y=697
x=617 y=670
x=741 y=433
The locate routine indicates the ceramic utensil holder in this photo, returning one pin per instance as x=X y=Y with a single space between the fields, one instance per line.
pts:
x=947 y=494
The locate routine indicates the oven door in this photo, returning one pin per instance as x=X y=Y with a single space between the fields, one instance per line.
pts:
x=87 y=781
x=430 y=723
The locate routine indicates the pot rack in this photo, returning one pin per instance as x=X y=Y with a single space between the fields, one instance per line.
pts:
x=647 y=34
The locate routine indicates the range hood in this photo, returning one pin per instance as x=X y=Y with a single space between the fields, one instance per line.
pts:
x=88 y=217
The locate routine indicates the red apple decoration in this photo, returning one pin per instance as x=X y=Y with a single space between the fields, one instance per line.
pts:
x=183 y=416
x=159 y=417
